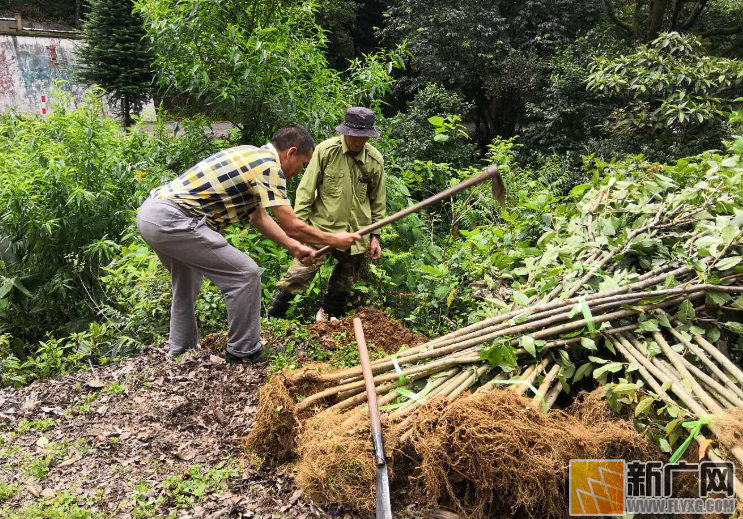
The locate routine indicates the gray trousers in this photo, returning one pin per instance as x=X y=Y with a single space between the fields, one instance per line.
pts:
x=190 y=251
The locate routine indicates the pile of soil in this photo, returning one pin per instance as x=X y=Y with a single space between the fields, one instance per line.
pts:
x=380 y=331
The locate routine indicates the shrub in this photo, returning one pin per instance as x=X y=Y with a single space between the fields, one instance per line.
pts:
x=69 y=186
x=414 y=134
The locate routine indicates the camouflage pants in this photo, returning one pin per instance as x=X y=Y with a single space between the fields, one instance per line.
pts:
x=298 y=278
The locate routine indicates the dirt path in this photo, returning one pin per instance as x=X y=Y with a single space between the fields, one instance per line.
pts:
x=146 y=437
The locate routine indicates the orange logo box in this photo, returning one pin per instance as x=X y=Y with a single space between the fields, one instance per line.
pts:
x=596 y=487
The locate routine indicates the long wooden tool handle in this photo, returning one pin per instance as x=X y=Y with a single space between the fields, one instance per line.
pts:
x=485 y=174
x=371 y=390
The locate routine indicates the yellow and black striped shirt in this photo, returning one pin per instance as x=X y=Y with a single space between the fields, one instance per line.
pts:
x=229 y=185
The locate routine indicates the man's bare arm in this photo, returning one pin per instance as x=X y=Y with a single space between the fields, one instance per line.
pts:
x=297 y=229
x=271 y=230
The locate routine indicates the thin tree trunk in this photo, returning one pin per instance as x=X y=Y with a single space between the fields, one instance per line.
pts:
x=657 y=14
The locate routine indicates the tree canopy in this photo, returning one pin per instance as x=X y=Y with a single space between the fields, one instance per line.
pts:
x=488 y=52
x=114 y=56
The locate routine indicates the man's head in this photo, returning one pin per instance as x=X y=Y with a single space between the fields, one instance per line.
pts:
x=358 y=127
x=294 y=145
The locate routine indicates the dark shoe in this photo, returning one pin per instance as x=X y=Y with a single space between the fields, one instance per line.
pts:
x=259 y=357
x=279 y=304
x=334 y=305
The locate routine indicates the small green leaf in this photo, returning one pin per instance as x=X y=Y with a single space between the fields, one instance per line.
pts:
x=728 y=263
x=527 y=342
x=734 y=326
x=588 y=344
x=644 y=405
x=520 y=298
x=713 y=335
x=582 y=371
x=686 y=312
x=663 y=320
x=650 y=325
x=673 y=424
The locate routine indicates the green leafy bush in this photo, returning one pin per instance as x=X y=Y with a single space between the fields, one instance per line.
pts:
x=670 y=93
x=263 y=66
x=415 y=137
x=69 y=185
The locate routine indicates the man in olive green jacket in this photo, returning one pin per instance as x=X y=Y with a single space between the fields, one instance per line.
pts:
x=343 y=189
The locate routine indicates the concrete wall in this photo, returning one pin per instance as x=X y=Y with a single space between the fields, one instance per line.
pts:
x=29 y=65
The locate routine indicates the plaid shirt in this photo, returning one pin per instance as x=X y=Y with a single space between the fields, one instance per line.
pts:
x=229 y=185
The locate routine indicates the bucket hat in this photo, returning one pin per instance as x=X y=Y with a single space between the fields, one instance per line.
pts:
x=358 y=122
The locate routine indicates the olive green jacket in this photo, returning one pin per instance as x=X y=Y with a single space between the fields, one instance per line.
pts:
x=342 y=192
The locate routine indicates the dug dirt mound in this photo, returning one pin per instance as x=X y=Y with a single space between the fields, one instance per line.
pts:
x=380 y=331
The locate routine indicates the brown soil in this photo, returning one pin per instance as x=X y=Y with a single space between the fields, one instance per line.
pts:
x=168 y=417
x=380 y=331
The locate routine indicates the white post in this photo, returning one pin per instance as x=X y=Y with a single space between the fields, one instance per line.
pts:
x=43 y=105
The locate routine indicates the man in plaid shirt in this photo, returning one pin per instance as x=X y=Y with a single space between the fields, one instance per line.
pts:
x=182 y=219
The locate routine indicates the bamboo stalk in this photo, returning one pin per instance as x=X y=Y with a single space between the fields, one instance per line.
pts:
x=544 y=387
x=448 y=363
x=630 y=353
x=679 y=365
x=653 y=383
x=442 y=389
x=701 y=355
x=444 y=347
x=520 y=389
x=491 y=384
x=552 y=395
x=411 y=374
x=726 y=363
x=696 y=407
x=472 y=379
x=724 y=402
x=645 y=374
x=731 y=396
x=360 y=397
x=640 y=347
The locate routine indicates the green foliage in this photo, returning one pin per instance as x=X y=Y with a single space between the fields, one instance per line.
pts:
x=58 y=356
x=643 y=21
x=494 y=62
x=669 y=92
x=338 y=18
x=114 y=56
x=68 y=186
x=7 y=491
x=190 y=488
x=62 y=506
x=413 y=137
x=136 y=297
x=247 y=59
x=42 y=425
x=566 y=118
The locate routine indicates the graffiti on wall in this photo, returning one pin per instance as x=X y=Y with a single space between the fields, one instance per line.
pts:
x=6 y=74
x=29 y=67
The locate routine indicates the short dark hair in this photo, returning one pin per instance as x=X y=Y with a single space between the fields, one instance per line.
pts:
x=294 y=135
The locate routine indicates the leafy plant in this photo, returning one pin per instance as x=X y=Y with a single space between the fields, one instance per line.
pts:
x=670 y=90
x=255 y=51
